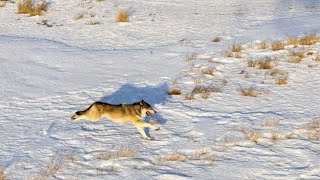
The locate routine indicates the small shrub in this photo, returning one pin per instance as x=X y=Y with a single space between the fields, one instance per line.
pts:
x=276 y=72
x=25 y=7
x=249 y=92
x=263 y=45
x=293 y=41
x=308 y=39
x=41 y=7
x=216 y=39
x=122 y=16
x=236 y=48
x=174 y=91
x=277 y=45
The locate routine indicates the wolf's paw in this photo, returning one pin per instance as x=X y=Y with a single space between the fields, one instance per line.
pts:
x=149 y=138
x=74 y=117
x=156 y=128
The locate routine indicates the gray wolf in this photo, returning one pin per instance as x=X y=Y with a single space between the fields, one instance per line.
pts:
x=121 y=113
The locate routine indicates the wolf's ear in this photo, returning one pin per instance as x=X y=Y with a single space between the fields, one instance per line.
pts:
x=140 y=103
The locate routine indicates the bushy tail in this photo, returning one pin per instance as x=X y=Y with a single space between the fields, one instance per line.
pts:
x=76 y=115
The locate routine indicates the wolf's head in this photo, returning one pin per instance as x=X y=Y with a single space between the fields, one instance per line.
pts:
x=146 y=109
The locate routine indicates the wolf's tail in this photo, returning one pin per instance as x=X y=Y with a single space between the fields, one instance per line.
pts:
x=77 y=115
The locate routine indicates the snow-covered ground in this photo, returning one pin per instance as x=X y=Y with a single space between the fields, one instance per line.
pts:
x=48 y=73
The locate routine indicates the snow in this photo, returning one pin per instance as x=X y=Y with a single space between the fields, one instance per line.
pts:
x=48 y=73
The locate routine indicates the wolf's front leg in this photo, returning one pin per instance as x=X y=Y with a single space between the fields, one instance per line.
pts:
x=143 y=133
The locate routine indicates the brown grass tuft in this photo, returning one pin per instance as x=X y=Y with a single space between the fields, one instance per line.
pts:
x=2 y=4
x=122 y=16
x=265 y=64
x=123 y=152
x=275 y=136
x=3 y=175
x=276 y=72
x=199 y=80
x=282 y=80
x=277 y=45
x=293 y=41
x=263 y=45
x=205 y=89
x=313 y=125
x=174 y=91
x=190 y=57
x=216 y=39
x=228 y=54
x=270 y=123
x=296 y=56
x=309 y=39
x=189 y=97
x=236 y=48
x=317 y=58
x=251 y=63
x=249 y=92
x=238 y=55
x=209 y=71
x=253 y=136
x=174 y=157
x=26 y=7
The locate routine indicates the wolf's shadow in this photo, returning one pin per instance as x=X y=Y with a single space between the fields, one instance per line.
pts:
x=129 y=93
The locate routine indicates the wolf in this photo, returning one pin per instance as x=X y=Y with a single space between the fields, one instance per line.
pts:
x=121 y=113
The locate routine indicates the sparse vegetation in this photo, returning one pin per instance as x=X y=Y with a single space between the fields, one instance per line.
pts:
x=93 y=23
x=209 y=71
x=309 y=39
x=174 y=91
x=174 y=157
x=293 y=41
x=277 y=45
x=238 y=55
x=296 y=56
x=263 y=45
x=190 y=57
x=122 y=16
x=205 y=89
x=317 y=58
x=236 y=48
x=276 y=72
x=3 y=175
x=253 y=136
x=189 y=96
x=2 y=4
x=216 y=39
x=270 y=123
x=275 y=136
x=249 y=92
x=123 y=152
x=199 y=80
x=228 y=54
x=282 y=80
x=251 y=63
x=26 y=7
x=265 y=64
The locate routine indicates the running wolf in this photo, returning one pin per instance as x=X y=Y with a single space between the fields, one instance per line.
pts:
x=120 y=113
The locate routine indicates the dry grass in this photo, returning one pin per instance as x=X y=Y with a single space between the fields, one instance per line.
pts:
x=83 y=15
x=249 y=92
x=275 y=136
x=265 y=64
x=199 y=80
x=3 y=4
x=228 y=54
x=317 y=58
x=253 y=136
x=190 y=57
x=107 y=170
x=209 y=71
x=238 y=55
x=263 y=45
x=26 y=7
x=313 y=125
x=174 y=91
x=216 y=39
x=174 y=157
x=3 y=174
x=236 y=48
x=122 y=16
x=282 y=80
x=270 y=123
x=205 y=95
x=205 y=89
x=276 y=72
x=93 y=23
x=308 y=39
x=293 y=41
x=251 y=63
x=123 y=152
x=277 y=45
x=189 y=97
x=296 y=56
x=314 y=135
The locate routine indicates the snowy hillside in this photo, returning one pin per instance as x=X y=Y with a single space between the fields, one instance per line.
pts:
x=76 y=53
